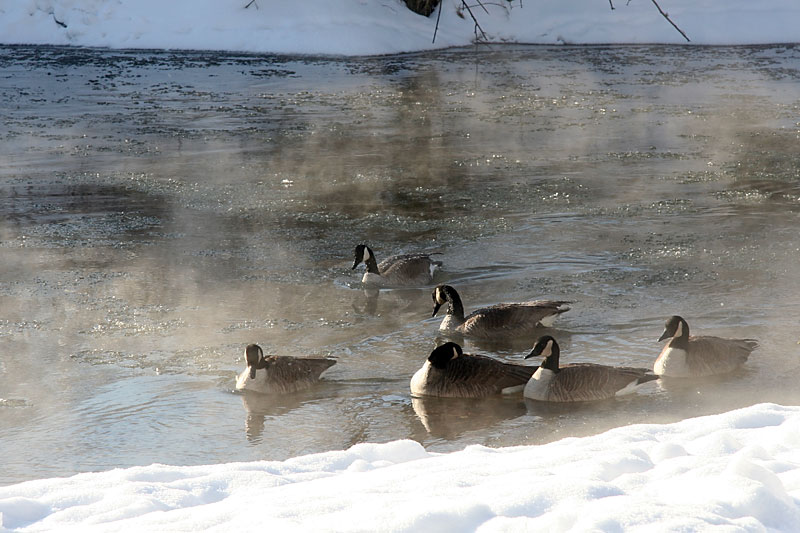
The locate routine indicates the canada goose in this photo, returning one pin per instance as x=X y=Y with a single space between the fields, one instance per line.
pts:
x=281 y=374
x=449 y=372
x=500 y=321
x=696 y=356
x=578 y=382
x=406 y=270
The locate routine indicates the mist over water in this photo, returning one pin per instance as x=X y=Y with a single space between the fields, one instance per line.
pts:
x=159 y=211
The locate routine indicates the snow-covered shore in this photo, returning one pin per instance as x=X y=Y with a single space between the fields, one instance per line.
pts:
x=738 y=471
x=358 y=27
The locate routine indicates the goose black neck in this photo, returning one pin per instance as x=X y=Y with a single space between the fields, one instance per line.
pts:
x=372 y=264
x=684 y=330
x=682 y=340
x=551 y=361
x=454 y=307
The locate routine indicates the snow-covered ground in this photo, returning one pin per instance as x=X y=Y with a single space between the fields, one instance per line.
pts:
x=366 y=27
x=738 y=471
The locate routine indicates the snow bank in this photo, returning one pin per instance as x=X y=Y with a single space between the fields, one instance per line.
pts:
x=366 y=27
x=740 y=469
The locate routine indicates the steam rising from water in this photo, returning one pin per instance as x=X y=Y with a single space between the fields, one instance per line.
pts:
x=156 y=220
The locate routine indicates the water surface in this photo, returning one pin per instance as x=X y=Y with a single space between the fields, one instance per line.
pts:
x=159 y=211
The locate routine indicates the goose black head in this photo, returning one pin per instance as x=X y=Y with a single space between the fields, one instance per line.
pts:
x=547 y=347
x=675 y=326
x=362 y=253
x=253 y=354
x=445 y=353
x=441 y=295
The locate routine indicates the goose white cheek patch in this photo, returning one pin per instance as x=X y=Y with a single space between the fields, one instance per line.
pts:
x=548 y=349
x=440 y=299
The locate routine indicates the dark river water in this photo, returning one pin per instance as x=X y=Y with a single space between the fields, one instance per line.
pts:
x=161 y=210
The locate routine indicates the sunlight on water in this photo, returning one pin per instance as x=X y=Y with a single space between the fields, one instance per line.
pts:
x=158 y=212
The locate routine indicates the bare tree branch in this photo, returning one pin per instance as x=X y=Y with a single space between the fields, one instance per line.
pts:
x=438 y=16
x=666 y=16
x=484 y=7
x=58 y=21
x=477 y=26
x=483 y=35
x=250 y=3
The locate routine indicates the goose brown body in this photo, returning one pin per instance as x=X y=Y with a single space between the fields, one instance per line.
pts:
x=688 y=355
x=449 y=372
x=503 y=321
x=579 y=382
x=407 y=270
x=280 y=374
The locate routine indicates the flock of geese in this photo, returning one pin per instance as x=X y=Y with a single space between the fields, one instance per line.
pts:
x=449 y=372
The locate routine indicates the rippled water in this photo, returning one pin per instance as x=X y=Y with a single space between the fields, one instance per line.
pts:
x=158 y=211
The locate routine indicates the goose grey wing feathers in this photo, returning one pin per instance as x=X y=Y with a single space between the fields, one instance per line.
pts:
x=408 y=268
x=709 y=355
x=512 y=320
x=472 y=376
x=580 y=382
x=289 y=374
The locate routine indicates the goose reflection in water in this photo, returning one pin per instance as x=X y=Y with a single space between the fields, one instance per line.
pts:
x=260 y=406
x=448 y=418
x=396 y=302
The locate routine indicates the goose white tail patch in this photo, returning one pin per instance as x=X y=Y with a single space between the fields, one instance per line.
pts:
x=549 y=320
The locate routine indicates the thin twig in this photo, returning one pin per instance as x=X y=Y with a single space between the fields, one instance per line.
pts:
x=499 y=3
x=477 y=26
x=250 y=3
x=58 y=21
x=438 y=15
x=666 y=16
x=484 y=7
x=611 y=4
